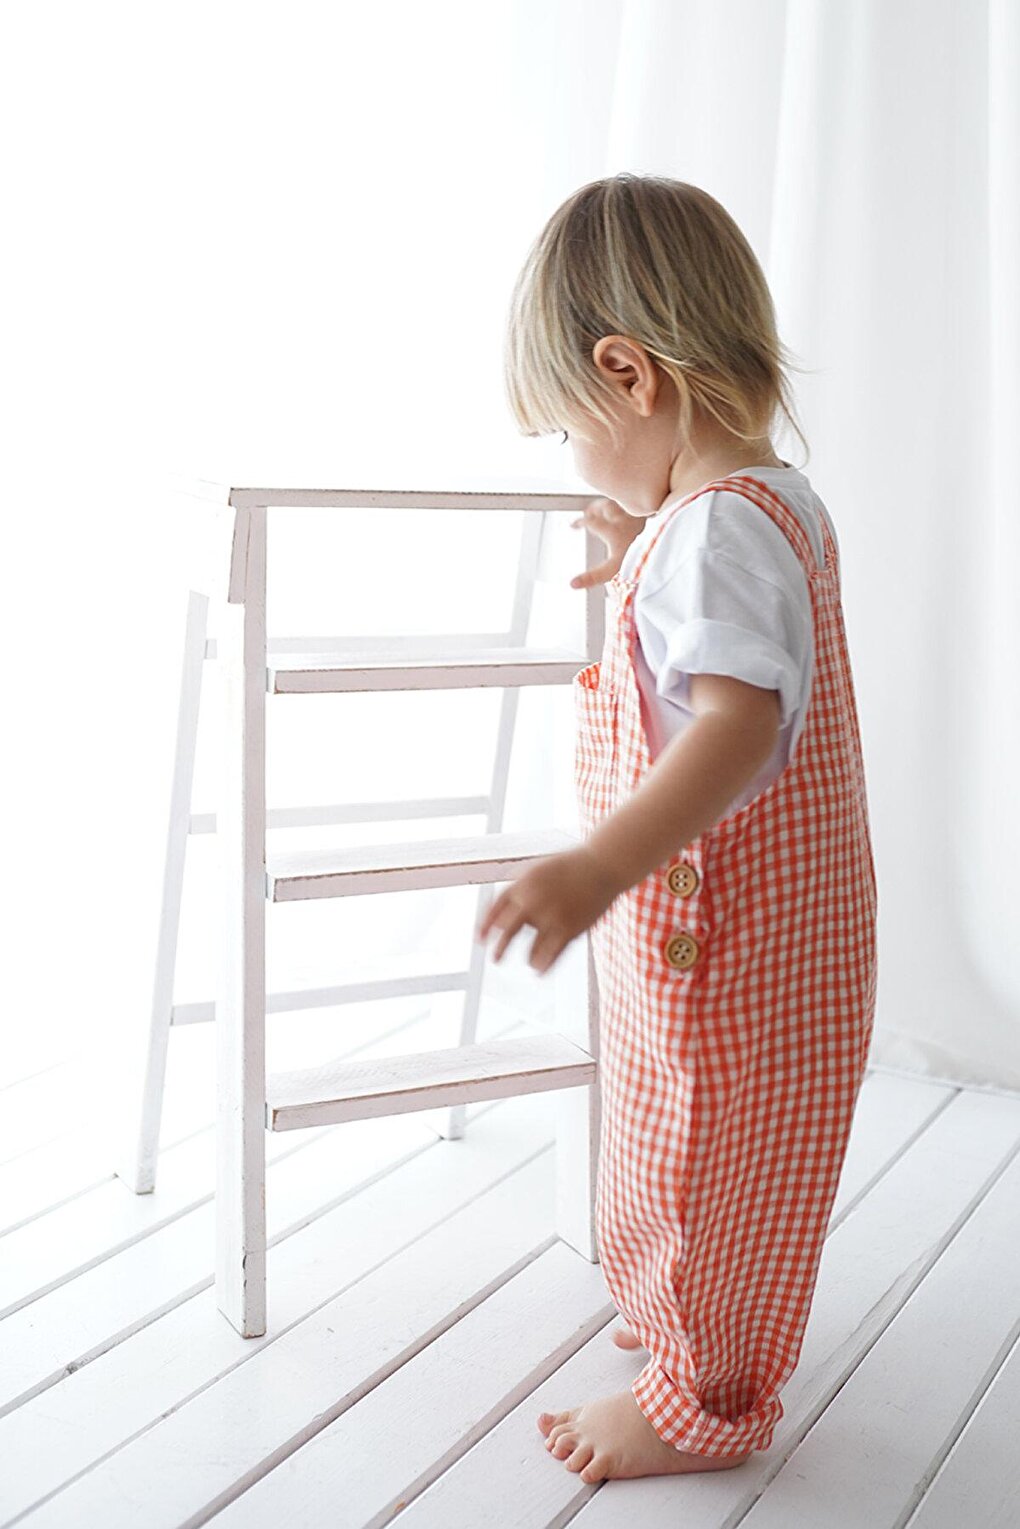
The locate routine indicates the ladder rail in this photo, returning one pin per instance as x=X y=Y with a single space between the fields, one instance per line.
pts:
x=139 y=1168
x=243 y=498
x=241 y=996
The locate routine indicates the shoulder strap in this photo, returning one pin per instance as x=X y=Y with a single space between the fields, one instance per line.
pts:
x=774 y=506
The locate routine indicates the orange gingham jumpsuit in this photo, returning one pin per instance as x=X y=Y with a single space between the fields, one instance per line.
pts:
x=737 y=989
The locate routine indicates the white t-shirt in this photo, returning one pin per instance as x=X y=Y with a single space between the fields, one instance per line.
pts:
x=723 y=592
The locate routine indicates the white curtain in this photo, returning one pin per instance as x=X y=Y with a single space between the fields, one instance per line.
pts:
x=871 y=152
x=254 y=243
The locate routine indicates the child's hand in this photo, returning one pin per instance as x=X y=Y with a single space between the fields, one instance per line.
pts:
x=560 y=896
x=613 y=526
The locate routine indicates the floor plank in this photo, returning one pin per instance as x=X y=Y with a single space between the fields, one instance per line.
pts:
x=388 y=1199
x=75 y=1323
x=43 y=1176
x=509 y=1478
x=980 y=1480
x=163 y=1268
x=295 y=1494
x=869 y=1457
x=227 y=1435
x=422 y=1313
x=52 y=1174
x=871 y=1265
x=107 y=1218
x=490 y=1361
x=42 y=1108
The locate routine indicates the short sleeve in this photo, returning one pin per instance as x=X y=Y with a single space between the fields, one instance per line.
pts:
x=713 y=616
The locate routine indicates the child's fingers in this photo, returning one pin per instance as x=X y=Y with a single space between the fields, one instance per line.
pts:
x=600 y=574
x=482 y=929
x=545 y=950
x=512 y=922
x=493 y=915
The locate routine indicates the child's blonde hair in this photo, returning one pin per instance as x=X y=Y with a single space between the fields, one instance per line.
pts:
x=661 y=262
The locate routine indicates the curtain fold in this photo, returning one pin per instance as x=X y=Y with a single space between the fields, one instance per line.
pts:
x=281 y=247
x=871 y=152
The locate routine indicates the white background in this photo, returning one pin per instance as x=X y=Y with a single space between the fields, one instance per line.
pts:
x=276 y=244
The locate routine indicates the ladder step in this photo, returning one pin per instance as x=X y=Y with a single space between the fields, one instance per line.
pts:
x=328 y=673
x=405 y=867
x=359 y=1090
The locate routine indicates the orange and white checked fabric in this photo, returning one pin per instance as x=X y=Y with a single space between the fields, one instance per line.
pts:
x=737 y=987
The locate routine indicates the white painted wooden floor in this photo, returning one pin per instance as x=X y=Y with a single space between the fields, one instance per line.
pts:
x=422 y=1313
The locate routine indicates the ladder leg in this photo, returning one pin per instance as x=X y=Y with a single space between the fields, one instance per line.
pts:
x=452 y=1127
x=578 y=1110
x=139 y=1170
x=241 y=999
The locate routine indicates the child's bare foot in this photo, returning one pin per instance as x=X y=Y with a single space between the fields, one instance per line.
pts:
x=611 y=1437
x=625 y=1337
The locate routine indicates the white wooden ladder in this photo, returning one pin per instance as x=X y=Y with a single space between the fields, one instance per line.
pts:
x=253 y=667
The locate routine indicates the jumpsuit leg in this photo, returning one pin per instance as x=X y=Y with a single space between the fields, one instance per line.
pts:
x=714 y=1197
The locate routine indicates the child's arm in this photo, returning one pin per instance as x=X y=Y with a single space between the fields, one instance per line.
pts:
x=687 y=789
x=692 y=782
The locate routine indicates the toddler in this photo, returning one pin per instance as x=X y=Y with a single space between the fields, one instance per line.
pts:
x=726 y=872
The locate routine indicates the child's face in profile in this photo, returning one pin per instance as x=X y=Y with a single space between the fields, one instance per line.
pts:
x=633 y=467
x=646 y=463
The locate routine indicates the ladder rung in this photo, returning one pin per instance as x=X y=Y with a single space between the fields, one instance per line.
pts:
x=409 y=645
x=328 y=673
x=357 y=1090
x=358 y=812
x=407 y=867
x=203 y=1011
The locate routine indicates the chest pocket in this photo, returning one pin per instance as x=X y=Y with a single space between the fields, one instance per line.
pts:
x=596 y=746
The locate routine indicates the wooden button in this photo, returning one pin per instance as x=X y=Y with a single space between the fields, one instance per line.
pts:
x=681 y=950
x=682 y=879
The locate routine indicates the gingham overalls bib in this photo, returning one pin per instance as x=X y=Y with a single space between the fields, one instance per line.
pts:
x=737 y=988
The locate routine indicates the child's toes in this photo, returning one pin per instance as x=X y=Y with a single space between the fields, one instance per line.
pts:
x=580 y=1458
x=549 y=1420
x=563 y=1444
